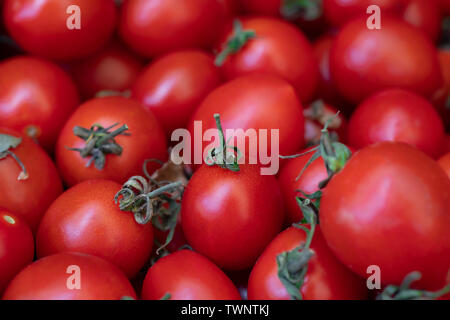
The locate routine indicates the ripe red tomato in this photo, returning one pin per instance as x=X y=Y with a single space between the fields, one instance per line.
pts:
x=441 y=99
x=81 y=217
x=112 y=69
x=154 y=27
x=17 y=246
x=366 y=61
x=173 y=86
x=397 y=115
x=389 y=207
x=425 y=15
x=257 y=102
x=41 y=26
x=445 y=6
x=278 y=48
x=444 y=162
x=146 y=140
x=49 y=279
x=28 y=195
x=36 y=98
x=187 y=275
x=231 y=216
x=262 y=7
x=326 y=278
x=338 y=12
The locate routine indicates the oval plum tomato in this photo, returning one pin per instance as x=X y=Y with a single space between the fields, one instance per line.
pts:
x=30 y=190
x=117 y=158
x=326 y=278
x=338 y=12
x=36 y=98
x=441 y=99
x=397 y=115
x=48 y=279
x=16 y=246
x=389 y=207
x=424 y=14
x=231 y=216
x=275 y=47
x=41 y=27
x=173 y=86
x=255 y=102
x=366 y=61
x=111 y=69
x=155 y=27
x=444 y=162
x=86 y=219
x=187 y=275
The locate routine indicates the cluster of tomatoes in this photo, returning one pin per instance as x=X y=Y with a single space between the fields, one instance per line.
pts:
x=92 y=208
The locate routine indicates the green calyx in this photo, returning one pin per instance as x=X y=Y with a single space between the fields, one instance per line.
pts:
x=100 y=141
x=405 y=292
x=7 y=143
x=305 y=9
x=238 y=40
x=224 y=156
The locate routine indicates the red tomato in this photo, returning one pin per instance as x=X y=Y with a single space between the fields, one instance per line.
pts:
x=154 y=27
x=366 y=61
x=326 y=279
x=441 y=99
x=173 y=86
x=231 y=216
x=36 y=98
x=86 y=219
x=397 y=115
x=112 y=69
x=16 y=246
x=30 y=197
x=262 y=7
x=445 y=6
x=444 y=162
x=146 y=141
x=279 y=48
x=446 y=144
x=48 y=279
x=41 y=26
x=256 y=102
x=187 y=275
x=389 y=207
x=338 y=12
x=425 y=15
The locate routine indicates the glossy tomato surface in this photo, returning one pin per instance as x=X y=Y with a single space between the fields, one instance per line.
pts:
x=154 y=27
x=397 y=115
x=28 y=198
x=41 y=26
x=50 y=278
x=173 y=86
x=366 y=61
x=187 y=275
x=389 y=207
x=36 y=98
x=146 y=140
x=231 y=216
x=326 y=279
x=16 y=246
x=280 y=49
x=426 y=15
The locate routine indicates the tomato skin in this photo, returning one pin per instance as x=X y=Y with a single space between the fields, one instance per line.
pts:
x=36 y=98
x=230 y=217
x=173 y=86
x=444 y=162
x=46 y=279
x=326 y=279
x=147 y=141
x=441 y=96
x=16 y=246
x=425 y=15
x=279 y=49
x=31 y=197
x=397 y=115
x=113 y=68
x=79 y=219
x=40 y=27
x=262 y=7
x=155 y=27
x=365 y=61
x=200 y=279
x=393 y=229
